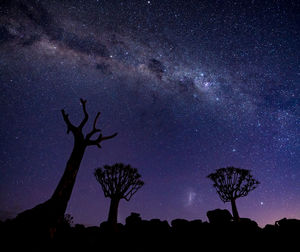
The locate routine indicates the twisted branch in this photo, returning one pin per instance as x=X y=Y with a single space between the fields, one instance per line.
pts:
x=77 y=131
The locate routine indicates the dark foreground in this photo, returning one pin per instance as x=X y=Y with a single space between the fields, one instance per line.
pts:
x=220 y=233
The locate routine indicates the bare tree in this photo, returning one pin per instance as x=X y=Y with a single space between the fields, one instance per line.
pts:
x=52 y=211
x=64 y=189
x=232 y=183
x=118 y=182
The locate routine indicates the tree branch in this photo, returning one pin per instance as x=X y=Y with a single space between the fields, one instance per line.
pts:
x=70 y=126
x=99 y=139
x=86 y=115
x=94 y=130
x=95 y=121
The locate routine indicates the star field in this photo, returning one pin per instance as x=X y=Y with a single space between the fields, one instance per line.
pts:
x=191 y=86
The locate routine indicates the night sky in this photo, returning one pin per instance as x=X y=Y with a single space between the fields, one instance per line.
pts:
x=190 y=86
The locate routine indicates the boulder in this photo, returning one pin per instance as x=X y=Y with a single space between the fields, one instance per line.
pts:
x=180 y=225
x=219 y=216
x=133 y=219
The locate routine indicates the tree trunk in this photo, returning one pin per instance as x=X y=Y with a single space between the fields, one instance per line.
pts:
x=46 y=217
x=113 y=211
x=235 y=213
x=63 y=191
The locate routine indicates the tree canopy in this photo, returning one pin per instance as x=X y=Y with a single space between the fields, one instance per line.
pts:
x=119 y=180
x=232 y=183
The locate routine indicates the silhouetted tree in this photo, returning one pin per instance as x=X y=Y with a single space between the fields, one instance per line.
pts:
x=232 y=183
x=64 y=189
x=118 y=182
x=53 y=210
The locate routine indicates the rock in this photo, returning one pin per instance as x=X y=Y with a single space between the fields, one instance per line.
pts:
x=133 y=220
x=180 y=225
x=219 y=216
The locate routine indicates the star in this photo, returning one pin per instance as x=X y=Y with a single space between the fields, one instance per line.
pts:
x=182 y=91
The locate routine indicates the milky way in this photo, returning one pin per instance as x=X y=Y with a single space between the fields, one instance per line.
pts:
x=190 y=86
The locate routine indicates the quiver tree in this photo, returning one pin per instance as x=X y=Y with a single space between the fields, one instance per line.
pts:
x=232 y=183
x=118 y=182
x=53 y=210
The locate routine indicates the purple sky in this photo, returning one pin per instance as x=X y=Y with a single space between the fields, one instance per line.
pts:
x=191 y=86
